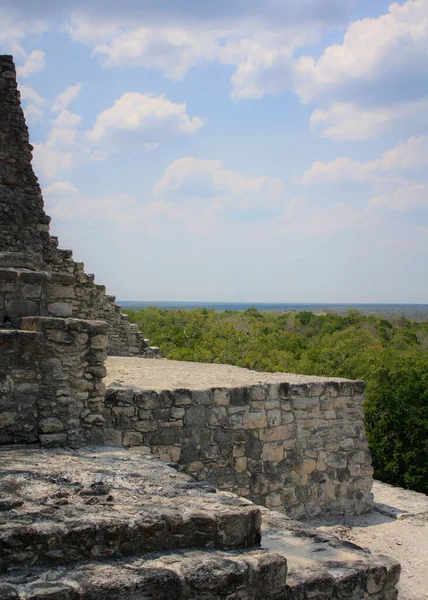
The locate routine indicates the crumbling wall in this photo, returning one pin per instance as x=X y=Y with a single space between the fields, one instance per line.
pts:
x=51 y=388
x=26 y=244
x=301 y=447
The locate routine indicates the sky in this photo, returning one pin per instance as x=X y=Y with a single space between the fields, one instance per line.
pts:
x=232 y=150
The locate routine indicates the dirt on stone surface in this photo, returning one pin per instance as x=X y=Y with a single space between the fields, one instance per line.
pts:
x=163 y=374
x=403 y=536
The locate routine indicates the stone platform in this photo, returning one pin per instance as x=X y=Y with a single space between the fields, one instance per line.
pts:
x=290 y=442
x=114 y=523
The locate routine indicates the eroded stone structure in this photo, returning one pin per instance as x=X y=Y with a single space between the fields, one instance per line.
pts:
x=100 y=522
x=294 y=446
x=36 y=277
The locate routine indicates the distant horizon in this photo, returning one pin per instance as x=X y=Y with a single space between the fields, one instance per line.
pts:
x=277 y=302
x=217 y=302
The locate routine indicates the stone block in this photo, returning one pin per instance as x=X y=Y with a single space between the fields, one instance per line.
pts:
x=202 y=397
x=273 y=418
x=221 y=397
x=276 y=434
x=273 y=452
x=240 y=464
x=59 y=309
x=195 y=415
x=254 y=420
x=51 y=425
x=132 y=438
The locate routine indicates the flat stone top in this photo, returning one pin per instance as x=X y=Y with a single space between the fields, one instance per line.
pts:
x=163 y=374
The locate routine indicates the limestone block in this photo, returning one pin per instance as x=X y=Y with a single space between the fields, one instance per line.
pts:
x=132 y=438
x=195 y=415
x=236 y=421
x=273 y=500
x=337 y=460
x=176 y=413
x=51 y=425
x=8 y=418
x=169 y=453
x=221 y=397
x=99 y=342
x=305 y=403
x=273 y=418
x=259 y=392
x=240 y=464
x=218 y=417
x=276 y=434
x=254 y=420
x=273 y=452
x=202 y=397
x=309 y=465
x=60 y=309
x=53 y=439
x=31 y=291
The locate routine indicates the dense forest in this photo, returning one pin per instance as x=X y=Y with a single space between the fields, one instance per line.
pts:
x=390 y=355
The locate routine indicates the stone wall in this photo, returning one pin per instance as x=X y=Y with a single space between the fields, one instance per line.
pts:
x=25 y=241
x=51 y=388
x=26 y=293
x=301 y=447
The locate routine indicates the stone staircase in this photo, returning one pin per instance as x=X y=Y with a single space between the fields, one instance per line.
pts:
x=26 y=243
x=107 y=523
x=120 y=525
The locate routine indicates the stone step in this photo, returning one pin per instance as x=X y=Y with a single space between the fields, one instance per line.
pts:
x=109 y=534
x=191 y=575
x=126 y=503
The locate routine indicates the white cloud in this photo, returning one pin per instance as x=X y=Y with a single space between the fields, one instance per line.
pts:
x=256 y=38
x=64 y=98
x=49 y=161
x=408 y=157
x=374 y=50
x=141 y=120
x=402 y=199
x=171 y=50
x=211 y=188
x=135 y=122
x=33 y=114
x=64 y=201
x=349 y=121
x=30 y=95
x=301 y=218
x=33 y=63
x=67 y=119
x=337 y=170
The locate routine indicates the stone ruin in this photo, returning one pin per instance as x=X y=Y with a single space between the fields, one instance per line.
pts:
x=89 y=508
x=37 y=277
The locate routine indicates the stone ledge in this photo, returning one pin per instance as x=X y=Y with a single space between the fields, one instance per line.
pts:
x=71 y=506
x=191 y=575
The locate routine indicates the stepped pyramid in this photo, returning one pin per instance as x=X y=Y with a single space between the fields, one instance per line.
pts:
x=36 y=277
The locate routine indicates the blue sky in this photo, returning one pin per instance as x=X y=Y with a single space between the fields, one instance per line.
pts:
x=239 y=150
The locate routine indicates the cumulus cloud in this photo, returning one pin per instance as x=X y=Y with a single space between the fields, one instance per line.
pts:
x=141 y=120
x=67 y=120
x=410 y=156
x=49 y=161
x=33 y=114
x=135 y=122
x=64 y=201
x=33 y=63
x=30 y=95
x=66 y=97
x=211 y=188
x=302 y=218
x=402 y=199
x=373 y=50
x=257 y=38
x=349 y=121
